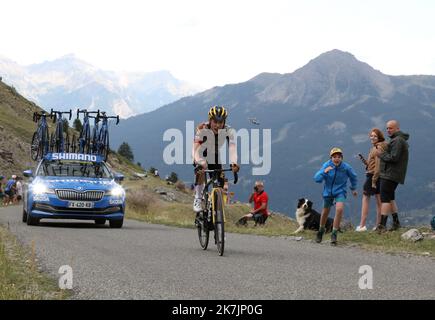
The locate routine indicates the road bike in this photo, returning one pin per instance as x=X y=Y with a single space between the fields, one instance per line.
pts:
x=39 y=144
x=103 y=147
x=213 y=216
x=84 y=141
x=59 y=139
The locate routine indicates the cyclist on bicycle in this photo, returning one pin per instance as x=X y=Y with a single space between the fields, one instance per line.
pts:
x=211 y=135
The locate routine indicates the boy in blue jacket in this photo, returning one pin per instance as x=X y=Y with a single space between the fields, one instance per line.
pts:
x=335 y=173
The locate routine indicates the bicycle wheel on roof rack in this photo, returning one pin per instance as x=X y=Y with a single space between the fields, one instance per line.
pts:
x=87 y=148
x=35 y=147
x=73 y=144
x=105 y=149
x=52 y=145
x=45 y=142
x=66 y=142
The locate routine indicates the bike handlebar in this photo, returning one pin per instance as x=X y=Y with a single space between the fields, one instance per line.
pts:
x=87 y=113
x=98 y=115
x=60 y=113
x=110 y=117
x=37 y=116
x=97 y=118
x=235 y=174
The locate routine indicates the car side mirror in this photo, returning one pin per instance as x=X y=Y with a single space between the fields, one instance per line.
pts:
x=28 y=173
x=118 y=177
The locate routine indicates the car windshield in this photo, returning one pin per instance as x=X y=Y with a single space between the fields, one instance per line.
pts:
x=66 y=168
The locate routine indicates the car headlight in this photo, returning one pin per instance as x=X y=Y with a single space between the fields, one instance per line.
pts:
x=41 y=188
x=117 y=191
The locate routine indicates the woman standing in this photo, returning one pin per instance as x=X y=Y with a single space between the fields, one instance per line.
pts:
x=371 y=186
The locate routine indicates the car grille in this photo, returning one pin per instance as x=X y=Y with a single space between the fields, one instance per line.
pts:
x=53 y=209
x=79 y=196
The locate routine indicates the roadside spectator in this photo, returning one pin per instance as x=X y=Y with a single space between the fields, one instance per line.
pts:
x=372 y=184
x=260 y=212
x=2 y=195
x=10 y=190
x=393 y=166
x=335 y=174
x=19 y=188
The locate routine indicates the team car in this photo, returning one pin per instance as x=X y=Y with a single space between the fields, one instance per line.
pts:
x=74 y=186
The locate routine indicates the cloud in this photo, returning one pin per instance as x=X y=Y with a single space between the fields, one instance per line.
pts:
x=337 y=127
x=360 y=138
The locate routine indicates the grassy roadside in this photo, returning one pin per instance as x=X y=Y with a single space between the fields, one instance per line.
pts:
x=145 y=205
x=19 y=276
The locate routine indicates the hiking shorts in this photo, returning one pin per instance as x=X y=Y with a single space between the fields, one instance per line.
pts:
x=9 y=193
x=328 y=202
x=388 y=189
x=368 y=190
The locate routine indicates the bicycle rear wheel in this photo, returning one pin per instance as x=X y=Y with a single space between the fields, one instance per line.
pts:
x=203 y=234
x=35 y=149
x=219 y=230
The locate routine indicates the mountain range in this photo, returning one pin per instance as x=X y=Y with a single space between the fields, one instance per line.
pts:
x=69 y=82
x=334 y=100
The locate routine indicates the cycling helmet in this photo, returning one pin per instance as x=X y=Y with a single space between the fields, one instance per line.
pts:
x=218 y=113
x=334 y=151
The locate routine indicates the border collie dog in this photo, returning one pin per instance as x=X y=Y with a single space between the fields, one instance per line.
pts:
x=308 y=218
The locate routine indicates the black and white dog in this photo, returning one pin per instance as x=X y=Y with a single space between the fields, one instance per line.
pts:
x=308 y=218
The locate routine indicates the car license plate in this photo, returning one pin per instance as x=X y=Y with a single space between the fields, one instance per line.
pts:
x=80 y=204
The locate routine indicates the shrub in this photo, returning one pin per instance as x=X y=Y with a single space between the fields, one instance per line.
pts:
x=140 y=199
x=179 y=185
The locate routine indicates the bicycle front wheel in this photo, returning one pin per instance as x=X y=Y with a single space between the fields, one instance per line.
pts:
x=219 y=230
x=203 y=234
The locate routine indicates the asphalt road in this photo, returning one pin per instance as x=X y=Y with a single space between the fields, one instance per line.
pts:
x=147 y=261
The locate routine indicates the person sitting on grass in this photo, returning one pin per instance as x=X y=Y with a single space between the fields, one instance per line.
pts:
x=10 y=190
x=19 y=190
x=260 y=212
x=2 y=195
x=335 y=174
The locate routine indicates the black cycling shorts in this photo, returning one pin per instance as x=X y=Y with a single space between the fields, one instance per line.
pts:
x=388 y=189
x=368 y=190
x=222 y=174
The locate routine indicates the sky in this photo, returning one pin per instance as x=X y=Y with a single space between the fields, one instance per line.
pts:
x=209 y=43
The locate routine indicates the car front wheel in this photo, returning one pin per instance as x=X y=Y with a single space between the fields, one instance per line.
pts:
x=32 y=221
x=116 y=223
x=24 y=215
